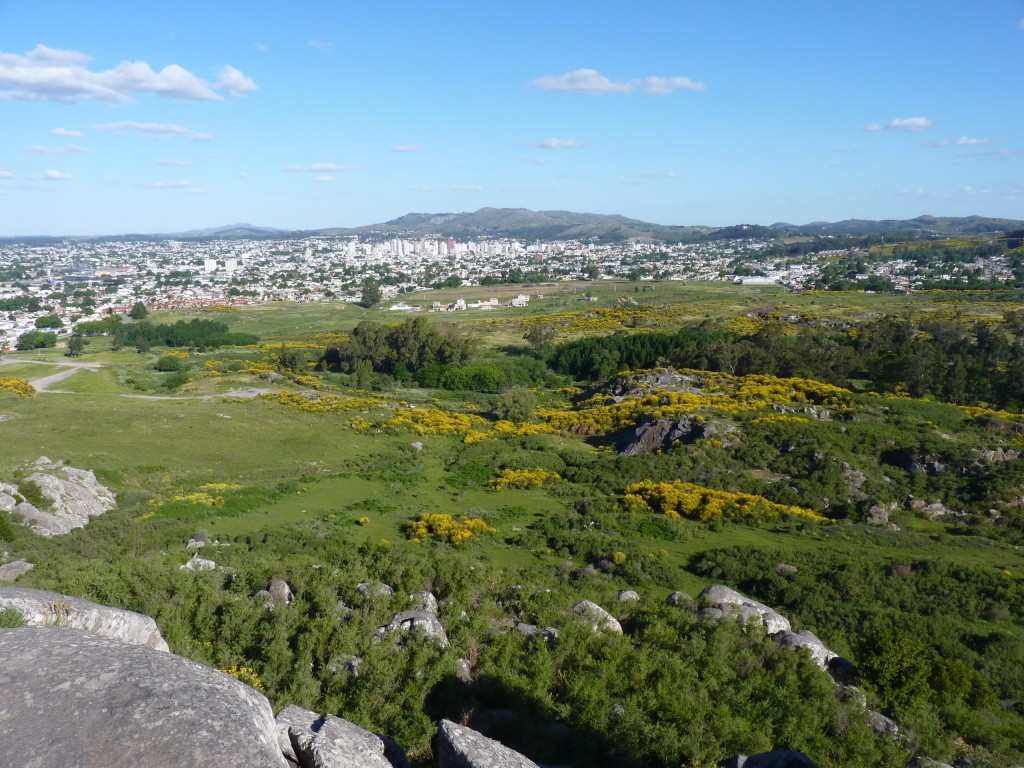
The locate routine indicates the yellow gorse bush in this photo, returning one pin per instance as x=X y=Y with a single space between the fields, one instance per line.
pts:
x=523 y=478
x=446 y=528
x=15 y=386
x=679 y=499
x=247 y=675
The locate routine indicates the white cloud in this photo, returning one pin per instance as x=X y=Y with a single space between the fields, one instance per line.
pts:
x=174 y=163
x=994 y=153
x=902 y=124
x=592 y=82
x=941 y=144
x=847 y=150
x=68 y=133
x=406 y=148
x=319 y=45
x=57 y=176
x=154 y=130
x=323 y=179
x=49 y=74
x=466 y=188
x=665 y=175
x=968 y=141
x=70 y=149
x=293 y=169
x=261 y=48
x=1020 y=25
x=330 y=168
x=554 y=143
x=6 y=174
x=969 y=190
x=233 y=82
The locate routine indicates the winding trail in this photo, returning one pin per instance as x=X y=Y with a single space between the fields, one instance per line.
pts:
x=44 y=384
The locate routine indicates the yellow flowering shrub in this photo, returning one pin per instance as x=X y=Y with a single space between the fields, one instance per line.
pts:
x=16 y=386
x=219 y=487
x=200 y=499
x=444 y=527
x=308 y=381
x=523 y=478
x=679 y=499
x=247 y=675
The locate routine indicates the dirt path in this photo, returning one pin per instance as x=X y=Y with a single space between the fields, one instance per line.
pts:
x=44 y=383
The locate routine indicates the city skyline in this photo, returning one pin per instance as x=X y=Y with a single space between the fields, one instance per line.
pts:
x=162 y=119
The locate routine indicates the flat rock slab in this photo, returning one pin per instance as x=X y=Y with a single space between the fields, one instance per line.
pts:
x=462 y=747
x=40 y=608
x=71 y=698
x=11 y=571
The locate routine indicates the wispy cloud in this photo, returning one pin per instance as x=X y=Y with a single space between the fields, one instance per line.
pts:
x=261 y=48
x=994 y=153
x=154 y=130
x=592 y=82
x=70 y=149
x=466 y=188
x=324 y=179
x=293 y=169
x=902 y=124
x=330 y=167
x=50 y=74
x=67 y=133
x=174 y=163
x=940 y=144
x=1020 y=25
x=555 y=143
x=407 y=148
x=847 y=150
x=968 y=141
x=6 y=174
x=319 y=45
x=663 y=175
x=57 y=176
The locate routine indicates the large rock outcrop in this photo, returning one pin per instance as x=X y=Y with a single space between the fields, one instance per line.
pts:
x=407 y=622
x=40 y=608
x=73 y=495
x=598 y=616
x=723 y=602
x=11 y=571
x=325 y=741
x=72 y=698
x=462 y=747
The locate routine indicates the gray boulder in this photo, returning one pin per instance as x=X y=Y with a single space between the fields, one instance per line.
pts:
x=732 y=604
x=40 y=608
x=807 y=639
x=11 y=571
x=628 y=594
x=680 y=598
x=72 y=698
x=410 y=621
x=74 y=497
x=374 y=589
x=326 y=741
x=783 y=758
x=882 y=725
x=280 y=592
x=462 y=747
x=424 y=601
x=197 y=563
x=598 y=616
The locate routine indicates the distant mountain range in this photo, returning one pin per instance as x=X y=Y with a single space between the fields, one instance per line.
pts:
x=524 y=224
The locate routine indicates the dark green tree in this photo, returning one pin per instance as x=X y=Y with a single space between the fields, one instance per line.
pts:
x=75 y=346
x=371 y=295
x=139 y=311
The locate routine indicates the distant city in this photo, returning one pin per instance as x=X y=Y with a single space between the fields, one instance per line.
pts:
x=82 y=281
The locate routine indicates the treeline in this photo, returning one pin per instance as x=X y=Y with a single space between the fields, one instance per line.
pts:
x=398 y=351
x=967 y=363
x=200 y=334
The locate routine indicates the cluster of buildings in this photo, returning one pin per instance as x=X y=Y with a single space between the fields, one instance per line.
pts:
x=77 y=279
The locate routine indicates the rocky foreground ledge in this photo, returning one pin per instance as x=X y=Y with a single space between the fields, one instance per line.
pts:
x=90 y=686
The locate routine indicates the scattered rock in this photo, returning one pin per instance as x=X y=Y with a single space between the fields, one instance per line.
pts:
x=882 y=725
x=195 y=544
x=806 y=639
x=998 y=456
x=374 y=589
x=280 y=592
x=196 y=563
x=74 y=698
x=11 y=571
x=935 y=510
x=74 y=496
x=878 y=514
x=680 y=598
x=410 y=621
x=599 y=617
x=627 y=595
x=424 y=601
x=783 y=758
x=926 y=762
x=785 y=569
x=462 y=747
x=347 y=663
x=326 y=741
x=730 y=603
x=39 y=608
x=417 y=446
x=464 y=672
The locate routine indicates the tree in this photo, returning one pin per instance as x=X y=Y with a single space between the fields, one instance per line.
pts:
x=139 y=311
x=37 y=340
x=372 y=294
x=141 y=344
x=75 y=346
x=117 y=343
x=49 y=321
x=540 y=335
x=516 y=405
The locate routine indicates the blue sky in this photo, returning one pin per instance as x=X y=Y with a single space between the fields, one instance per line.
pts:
x=143 y=117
